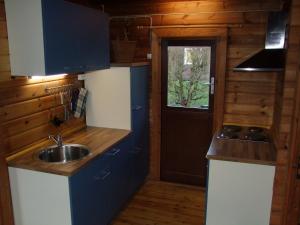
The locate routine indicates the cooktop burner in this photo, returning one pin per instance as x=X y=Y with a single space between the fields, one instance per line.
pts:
x=231 y=128
x=228 y=135
x=256 y=137
x=244 y=133
x=255 y=129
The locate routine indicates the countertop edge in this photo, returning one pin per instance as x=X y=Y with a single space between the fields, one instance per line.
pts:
x=239 y=160
x=131 y=64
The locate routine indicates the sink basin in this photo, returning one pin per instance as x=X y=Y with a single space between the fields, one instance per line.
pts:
x=64 y=154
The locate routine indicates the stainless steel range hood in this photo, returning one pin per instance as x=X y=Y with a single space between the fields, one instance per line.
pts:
x=272 y=58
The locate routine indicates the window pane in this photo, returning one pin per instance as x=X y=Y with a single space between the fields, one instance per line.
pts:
x=188 y=76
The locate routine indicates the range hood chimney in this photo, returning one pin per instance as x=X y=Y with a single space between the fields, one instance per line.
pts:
x=272 y=57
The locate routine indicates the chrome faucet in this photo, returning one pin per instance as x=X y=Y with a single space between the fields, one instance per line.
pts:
x=57 y=139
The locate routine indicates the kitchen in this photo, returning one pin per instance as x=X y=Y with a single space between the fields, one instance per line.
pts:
x=259 y=99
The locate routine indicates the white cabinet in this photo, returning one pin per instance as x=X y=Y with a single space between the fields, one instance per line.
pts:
x=239 y=193
x=40 y=198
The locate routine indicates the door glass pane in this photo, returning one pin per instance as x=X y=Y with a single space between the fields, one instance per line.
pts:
x=189 y=76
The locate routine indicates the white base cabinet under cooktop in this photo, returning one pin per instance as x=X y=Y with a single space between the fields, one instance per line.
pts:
x=239 y=193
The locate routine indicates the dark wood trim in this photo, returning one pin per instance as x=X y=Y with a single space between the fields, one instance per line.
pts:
x=218 y=34
x=6 y=212
x=292 y=210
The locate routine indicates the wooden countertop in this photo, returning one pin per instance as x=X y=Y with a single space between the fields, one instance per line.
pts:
x=97 y=139
x=132 y=64
x=242 y=151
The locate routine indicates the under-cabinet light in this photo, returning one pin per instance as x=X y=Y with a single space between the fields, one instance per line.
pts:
x=249 y=69
x=50 y=77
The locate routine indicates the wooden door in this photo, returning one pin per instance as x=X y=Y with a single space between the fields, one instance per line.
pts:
x=188 y=68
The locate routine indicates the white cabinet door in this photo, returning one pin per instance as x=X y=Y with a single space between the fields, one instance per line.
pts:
x=239 y=193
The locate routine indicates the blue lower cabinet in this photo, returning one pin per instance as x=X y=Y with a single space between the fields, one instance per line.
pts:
x=140 y=165
x=121 y=170
x=88 y=193
x=99 y=191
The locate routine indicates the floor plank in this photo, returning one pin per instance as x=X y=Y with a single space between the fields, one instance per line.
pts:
x=161 y=203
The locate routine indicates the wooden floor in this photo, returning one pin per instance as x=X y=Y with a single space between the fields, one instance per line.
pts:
x=160 y=203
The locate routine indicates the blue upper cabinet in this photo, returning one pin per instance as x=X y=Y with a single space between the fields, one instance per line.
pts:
x=54 y=37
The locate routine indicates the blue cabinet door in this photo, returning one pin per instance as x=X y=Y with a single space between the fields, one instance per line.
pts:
x=94 y=40
x=140 y=168
x=88 y=193
x=100 y=190
x=140 y=108
x=75 y=37
x=139 y=86
x=140 y=126
x=119 y=157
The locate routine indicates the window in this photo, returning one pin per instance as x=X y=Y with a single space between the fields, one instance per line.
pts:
x=189 y=76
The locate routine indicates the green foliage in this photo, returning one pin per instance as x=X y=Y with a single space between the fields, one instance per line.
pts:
x=188 y=76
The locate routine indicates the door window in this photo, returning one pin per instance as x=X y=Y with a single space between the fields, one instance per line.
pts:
x=189 y=72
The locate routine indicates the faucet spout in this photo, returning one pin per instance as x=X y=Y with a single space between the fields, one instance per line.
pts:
x=57 y=139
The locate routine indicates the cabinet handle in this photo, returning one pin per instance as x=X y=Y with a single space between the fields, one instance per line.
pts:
x=104 y=176
x=138 y=107
x=136 y=150
x=114 y=152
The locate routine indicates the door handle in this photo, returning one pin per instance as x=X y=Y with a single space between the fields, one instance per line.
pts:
x=212 y=85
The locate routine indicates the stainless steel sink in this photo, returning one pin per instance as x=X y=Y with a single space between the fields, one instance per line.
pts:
x=63 y=154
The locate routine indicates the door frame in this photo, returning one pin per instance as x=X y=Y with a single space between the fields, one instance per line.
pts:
x=220 y=36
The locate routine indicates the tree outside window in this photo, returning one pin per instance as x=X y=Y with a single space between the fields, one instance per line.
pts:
x=188 y=76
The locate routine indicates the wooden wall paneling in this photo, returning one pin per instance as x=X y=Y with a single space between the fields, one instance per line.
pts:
x=218 y=34
x=6 y=213
x=246 y=35
x=292 y=210
x=26 y=110
x=11 y=95
x=156 y=7
x=285 y=127
x=4 y=54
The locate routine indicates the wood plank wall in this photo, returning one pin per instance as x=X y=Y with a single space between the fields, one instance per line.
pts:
x=4 y=59
x=26 y=110
x=6 y=213
x=285 y=105
x=249 y=96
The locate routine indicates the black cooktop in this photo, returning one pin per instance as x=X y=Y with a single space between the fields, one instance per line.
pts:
x=244 y=133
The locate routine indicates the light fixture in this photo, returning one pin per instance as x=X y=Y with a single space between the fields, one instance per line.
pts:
x=56 y=76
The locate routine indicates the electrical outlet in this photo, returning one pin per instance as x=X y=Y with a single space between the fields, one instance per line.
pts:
x=149 y=56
